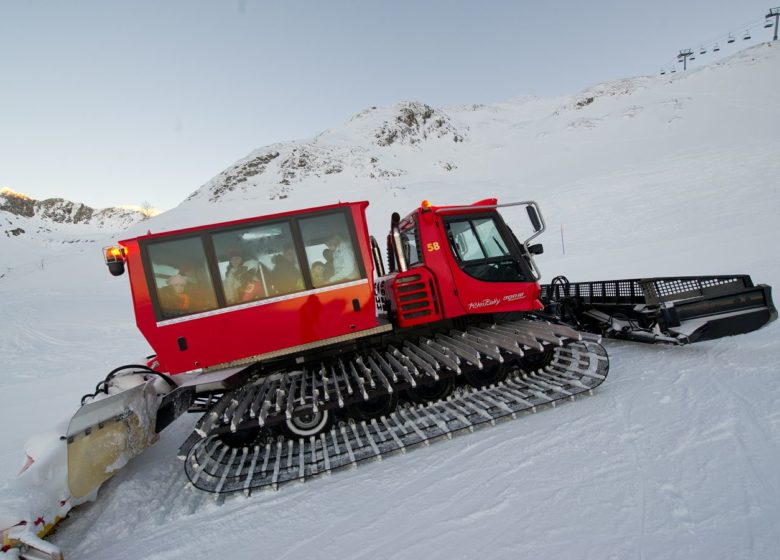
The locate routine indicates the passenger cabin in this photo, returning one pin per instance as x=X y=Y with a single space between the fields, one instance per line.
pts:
x=204 y=296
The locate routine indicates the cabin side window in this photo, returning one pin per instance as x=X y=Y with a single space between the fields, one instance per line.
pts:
x=329 y=249
x=257 y=262
x=410 y=243
x=182 y=280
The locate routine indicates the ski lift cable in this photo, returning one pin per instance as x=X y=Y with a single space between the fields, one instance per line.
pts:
x=752 y=24
x=723 y=38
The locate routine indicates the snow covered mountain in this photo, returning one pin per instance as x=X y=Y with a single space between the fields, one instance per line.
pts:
x=58 y=211
x=674 y=456
x=32 y=231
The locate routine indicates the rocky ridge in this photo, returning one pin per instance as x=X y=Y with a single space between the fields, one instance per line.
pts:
x=404 y=127
x=19 y=210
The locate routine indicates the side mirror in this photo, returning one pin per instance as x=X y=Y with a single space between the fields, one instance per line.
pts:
x=534 y=217
x=537 y=249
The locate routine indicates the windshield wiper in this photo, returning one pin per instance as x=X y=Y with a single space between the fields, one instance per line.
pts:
x=500 y=247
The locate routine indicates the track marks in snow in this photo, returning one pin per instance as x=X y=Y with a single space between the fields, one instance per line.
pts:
x=38 y=336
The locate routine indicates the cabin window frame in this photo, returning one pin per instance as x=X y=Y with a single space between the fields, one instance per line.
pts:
x=514 y=252
x=207 y=243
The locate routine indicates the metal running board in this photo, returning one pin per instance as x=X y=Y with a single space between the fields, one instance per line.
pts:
x=362 y=376
x=214 y=467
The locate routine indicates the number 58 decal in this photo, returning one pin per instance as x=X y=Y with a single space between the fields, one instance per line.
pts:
x=433 y=246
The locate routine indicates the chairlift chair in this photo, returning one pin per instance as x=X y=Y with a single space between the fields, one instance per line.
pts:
x=703 y=50
x=716 y=48
x=731 y=38
x=768 y=23
x=747 y=36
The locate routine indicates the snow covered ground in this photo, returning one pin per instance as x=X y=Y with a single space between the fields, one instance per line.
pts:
x=675 y=456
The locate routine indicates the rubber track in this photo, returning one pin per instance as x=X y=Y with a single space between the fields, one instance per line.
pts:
x=361 y=376
x=212 y=466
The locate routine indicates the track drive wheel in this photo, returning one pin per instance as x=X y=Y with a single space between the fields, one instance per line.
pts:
x=244 y=438
x=382 y=405
x=490 y=375
x=306 y=422
x=537 y=360
x=434 y=391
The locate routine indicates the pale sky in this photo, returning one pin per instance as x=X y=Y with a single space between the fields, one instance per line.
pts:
x=108 y=102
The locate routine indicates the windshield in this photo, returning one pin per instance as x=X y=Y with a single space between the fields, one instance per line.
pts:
x=482 y=251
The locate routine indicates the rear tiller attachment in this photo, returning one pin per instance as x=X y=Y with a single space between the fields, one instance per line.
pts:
x=677 y=310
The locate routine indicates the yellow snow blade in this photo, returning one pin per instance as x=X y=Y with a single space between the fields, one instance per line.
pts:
x=104 y=435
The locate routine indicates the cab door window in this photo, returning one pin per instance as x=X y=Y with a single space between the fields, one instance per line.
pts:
x=182 y=281
x=491 y=240
x=464 y=241
x=410 y=244
x=482 y=251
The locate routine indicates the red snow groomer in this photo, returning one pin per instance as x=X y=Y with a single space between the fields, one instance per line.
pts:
x=305 y=353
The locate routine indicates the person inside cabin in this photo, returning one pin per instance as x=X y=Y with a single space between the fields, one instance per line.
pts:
x=183 y=295
x=344 y=265
x=318 y=274
x=286 y=273
x=236 y=277
x=255 y=286
x=174 y=299
x=327 y=254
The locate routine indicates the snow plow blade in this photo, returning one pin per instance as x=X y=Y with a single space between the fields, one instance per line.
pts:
x=677 y=310
x=104 y=435
x=66 y=466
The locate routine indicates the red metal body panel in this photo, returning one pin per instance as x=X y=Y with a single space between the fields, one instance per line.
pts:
x=414 y=297
x=235 y=333
x=460 y=294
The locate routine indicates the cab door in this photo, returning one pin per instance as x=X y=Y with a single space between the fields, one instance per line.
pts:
x=489 y=271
